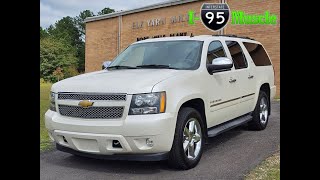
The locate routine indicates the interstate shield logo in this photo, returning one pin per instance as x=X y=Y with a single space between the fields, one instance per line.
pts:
x=215 y=16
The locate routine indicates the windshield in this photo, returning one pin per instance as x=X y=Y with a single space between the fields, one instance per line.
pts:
x=161 y=54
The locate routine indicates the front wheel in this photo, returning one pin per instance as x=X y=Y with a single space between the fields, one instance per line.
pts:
x=188 y=143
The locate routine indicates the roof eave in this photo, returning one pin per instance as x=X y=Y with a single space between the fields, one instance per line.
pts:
x=145 y=8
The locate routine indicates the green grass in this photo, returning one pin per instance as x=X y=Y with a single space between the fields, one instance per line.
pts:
x=45 y=142
x=269 y=169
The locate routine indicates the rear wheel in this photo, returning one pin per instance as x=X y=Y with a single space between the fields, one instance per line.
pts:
x=260 y=113
x=187 y=145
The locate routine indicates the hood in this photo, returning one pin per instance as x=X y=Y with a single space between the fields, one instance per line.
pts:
x=128 y=81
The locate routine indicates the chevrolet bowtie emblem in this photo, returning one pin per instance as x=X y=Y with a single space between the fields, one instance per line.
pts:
x=85 y=103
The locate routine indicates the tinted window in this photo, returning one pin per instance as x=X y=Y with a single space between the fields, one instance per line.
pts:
x=215 y=50
x=258 y=54
x=237 y=55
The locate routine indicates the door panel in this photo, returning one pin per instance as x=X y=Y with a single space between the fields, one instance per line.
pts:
x=257 y=58
x=246 y=91
x=223 y=100
x=221 y=93
x=248 y=82
x=244 y=75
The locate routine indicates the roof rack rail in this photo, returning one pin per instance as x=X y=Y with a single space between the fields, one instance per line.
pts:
x=228 y=35
x=245 y=37
x=232 y=35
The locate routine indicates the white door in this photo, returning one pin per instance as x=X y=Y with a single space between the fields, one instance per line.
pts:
x=222 y=91
x=244 y=76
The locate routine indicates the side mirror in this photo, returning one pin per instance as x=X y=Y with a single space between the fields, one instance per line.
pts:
x=106 y=64
x=220 y=64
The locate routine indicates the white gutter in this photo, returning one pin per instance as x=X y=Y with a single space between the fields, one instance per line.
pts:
x=222 y=31
x=119 y=34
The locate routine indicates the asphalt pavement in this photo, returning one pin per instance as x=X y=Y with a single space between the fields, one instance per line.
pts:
x=229 y=155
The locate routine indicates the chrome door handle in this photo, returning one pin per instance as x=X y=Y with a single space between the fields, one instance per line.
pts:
x=232 y=80
x=250 y=76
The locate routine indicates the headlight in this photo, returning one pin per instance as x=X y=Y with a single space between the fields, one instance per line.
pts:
x=152 y=103
x=52 y=101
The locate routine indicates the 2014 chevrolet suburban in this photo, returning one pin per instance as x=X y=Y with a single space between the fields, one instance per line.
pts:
x=161 y=99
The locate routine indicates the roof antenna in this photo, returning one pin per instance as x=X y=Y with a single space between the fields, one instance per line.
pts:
x=191 y=35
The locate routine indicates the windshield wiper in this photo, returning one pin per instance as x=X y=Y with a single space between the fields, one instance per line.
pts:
x=122 y=67
x=156 y=66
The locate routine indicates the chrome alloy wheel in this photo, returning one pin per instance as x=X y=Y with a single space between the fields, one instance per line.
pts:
x=192 y=138
x=263 y=110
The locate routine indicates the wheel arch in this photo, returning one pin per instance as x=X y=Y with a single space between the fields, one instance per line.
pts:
x=265 y=87
x=199 y=105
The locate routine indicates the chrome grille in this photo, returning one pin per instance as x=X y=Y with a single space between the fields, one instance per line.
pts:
x=105 y=97
x=112 y=112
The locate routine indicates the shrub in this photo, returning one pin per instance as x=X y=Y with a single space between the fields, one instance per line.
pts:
x=58 y=74
x=71 y=71
x=55 y=53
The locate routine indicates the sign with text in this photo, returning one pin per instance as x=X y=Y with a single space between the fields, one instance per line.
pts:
x=162 y=21
x=164 y=35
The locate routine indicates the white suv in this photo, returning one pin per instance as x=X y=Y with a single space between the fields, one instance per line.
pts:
x=163 y=98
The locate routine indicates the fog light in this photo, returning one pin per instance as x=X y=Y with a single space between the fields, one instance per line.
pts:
x=116 y=144
x=149 y=142
x=64 y=139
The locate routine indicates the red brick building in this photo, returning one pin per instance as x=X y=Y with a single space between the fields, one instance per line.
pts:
x=109 y=34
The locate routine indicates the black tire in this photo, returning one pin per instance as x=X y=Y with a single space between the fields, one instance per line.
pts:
x=257 y=123
x=178 y=158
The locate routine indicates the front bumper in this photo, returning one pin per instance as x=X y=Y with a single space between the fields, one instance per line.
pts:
x=130 y=157
x=95 y=137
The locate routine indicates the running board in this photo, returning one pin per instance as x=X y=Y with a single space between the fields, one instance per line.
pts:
x=228 y=125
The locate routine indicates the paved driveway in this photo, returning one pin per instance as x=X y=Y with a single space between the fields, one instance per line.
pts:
x=228 y=156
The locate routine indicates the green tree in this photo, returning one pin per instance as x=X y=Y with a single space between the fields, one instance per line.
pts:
x=66 y=37
x=55 y=53
x=80 y=21
x=58 y=74
x=105 y=11
x=81 y=57
x=43 y=33
x=66 y=29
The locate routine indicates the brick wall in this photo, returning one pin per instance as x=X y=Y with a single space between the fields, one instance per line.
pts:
x=102 y=36
x=101 y=43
